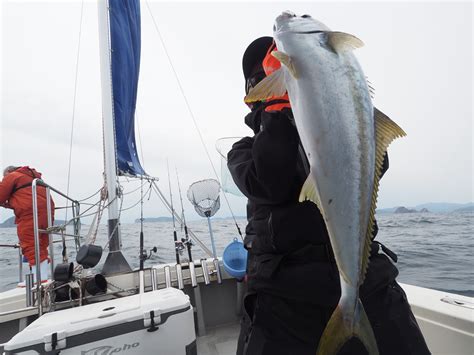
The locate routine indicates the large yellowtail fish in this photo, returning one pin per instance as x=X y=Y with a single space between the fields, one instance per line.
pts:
x=345 y=139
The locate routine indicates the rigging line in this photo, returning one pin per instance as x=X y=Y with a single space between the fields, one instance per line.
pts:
x=95 y=193
x=81 y=201
x=136 y=203
x=167 y=205
x=90 y=214
x=74 y=106
x=130 y=192
x=188 y=106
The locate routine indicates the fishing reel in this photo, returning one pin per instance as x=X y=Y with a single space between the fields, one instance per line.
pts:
x=188 y=243
x=179 y=246
x=147 y=255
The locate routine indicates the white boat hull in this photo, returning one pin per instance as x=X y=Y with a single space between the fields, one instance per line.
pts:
x=446 y=320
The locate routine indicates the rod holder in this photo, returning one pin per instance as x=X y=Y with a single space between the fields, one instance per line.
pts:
x=167 y=272
x=141 y=282
x=205 y=271
x=218 y=270
x=20 y=264
x=192 y=274
x=29 y=282
x=154 y=279
x=179 y=276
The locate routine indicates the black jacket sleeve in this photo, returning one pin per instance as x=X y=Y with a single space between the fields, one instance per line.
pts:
x=264 y=167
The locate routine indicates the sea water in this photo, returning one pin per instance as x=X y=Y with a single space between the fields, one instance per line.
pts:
x=435 y=250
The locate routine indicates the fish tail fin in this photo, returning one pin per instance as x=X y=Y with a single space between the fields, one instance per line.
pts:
x=363 y=330
x=335 y=335
x=338 y=331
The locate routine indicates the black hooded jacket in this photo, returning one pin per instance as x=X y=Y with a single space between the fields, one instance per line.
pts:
x=287 y=240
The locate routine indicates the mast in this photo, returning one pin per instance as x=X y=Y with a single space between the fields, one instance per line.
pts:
x=115 y=262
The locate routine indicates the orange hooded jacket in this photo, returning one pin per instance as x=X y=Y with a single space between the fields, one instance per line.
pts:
x=271 y=64
x=16 y=193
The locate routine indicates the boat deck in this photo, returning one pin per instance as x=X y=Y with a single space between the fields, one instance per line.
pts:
x=221 y=340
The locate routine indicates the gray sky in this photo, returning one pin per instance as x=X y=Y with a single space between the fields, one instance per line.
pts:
x=417 y=55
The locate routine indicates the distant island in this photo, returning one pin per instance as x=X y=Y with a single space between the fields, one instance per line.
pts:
x=436 y=207
x=465 y=209
x=10 y=222
x=410 y=210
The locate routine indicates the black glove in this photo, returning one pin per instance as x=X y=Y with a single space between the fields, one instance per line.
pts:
x=279 y=124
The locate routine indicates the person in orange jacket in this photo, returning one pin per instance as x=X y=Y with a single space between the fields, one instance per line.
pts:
x=16 y=193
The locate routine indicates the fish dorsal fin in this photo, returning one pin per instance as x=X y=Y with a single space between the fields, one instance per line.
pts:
x=285 y=59
x=341 y=41
x=385 y=132
x=272 y=86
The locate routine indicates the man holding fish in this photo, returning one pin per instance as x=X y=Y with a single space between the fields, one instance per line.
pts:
x=316 y=280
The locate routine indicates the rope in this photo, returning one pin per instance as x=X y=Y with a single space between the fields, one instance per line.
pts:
x=74 y=106
x=138 y=188
x=95 y=193
x=136 y=203
x=94 y=228
x=188 y=106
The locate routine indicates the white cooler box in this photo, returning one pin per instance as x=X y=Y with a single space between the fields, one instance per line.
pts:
x=157 y=322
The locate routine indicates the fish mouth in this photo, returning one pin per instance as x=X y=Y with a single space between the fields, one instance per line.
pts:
x=282 y=21
x=289 y=22
x=287 y=14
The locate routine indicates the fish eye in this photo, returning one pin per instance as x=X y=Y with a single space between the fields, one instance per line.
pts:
x=305 y=16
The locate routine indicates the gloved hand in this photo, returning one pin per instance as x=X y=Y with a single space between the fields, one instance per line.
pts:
x=253 y=119
x=279 y=123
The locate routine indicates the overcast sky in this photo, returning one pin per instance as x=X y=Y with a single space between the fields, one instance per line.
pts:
x=418 y=57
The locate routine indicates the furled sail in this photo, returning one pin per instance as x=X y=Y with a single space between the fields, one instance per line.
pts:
x=124 y=17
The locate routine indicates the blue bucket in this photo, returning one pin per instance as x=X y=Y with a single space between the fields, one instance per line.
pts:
x=235 y=259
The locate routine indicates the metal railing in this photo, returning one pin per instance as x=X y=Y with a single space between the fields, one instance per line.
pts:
x=76 y=225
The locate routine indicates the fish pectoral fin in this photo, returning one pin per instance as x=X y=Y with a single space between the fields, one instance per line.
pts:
x=285 y=59
x=341 y=41
x=272 y=86
x=310 y=192
x=338 y=331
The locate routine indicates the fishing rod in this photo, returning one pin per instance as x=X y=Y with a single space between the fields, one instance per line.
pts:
x=175 y=234
x=142 y=256
x=186 y=241
x=15 y=246
x=166 y=203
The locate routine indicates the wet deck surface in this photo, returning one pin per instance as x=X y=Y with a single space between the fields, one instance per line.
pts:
x=219 y=341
